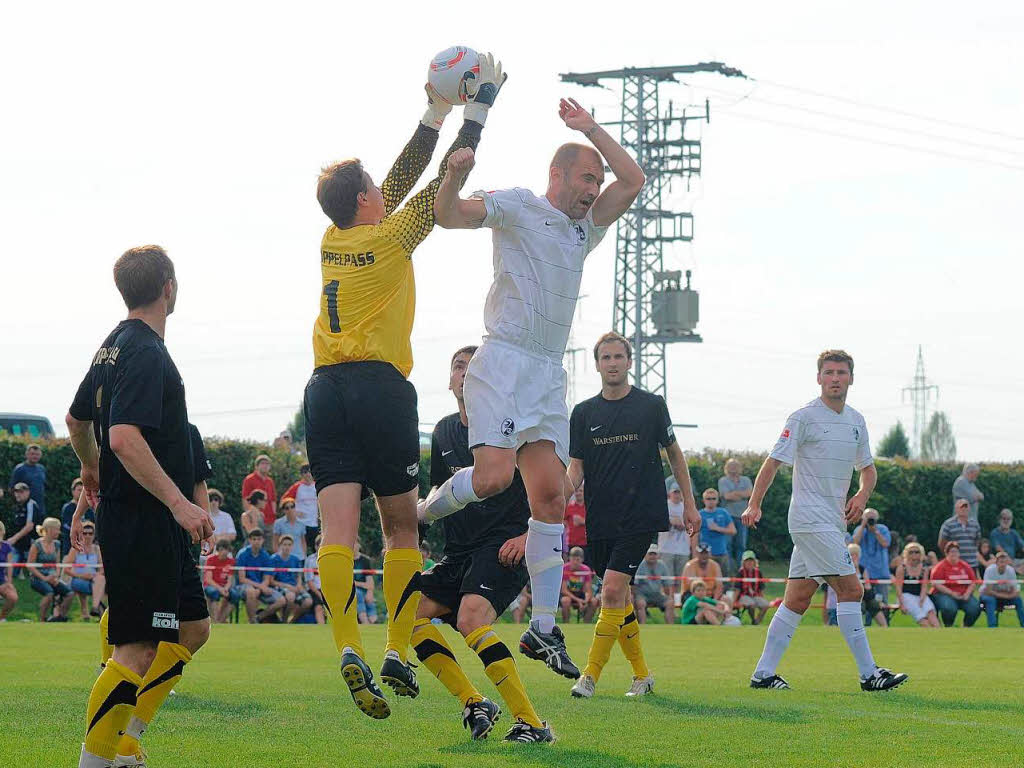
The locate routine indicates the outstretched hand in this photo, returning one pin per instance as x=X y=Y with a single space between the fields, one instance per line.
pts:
x=575 y=116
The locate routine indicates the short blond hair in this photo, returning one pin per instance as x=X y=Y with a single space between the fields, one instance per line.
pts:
x=853 y=549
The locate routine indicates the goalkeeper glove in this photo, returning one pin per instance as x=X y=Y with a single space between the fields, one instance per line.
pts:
x=437 y=109
x=485 y=90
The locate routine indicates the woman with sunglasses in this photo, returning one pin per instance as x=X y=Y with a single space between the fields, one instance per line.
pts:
x=87 y=573
x=913 y=598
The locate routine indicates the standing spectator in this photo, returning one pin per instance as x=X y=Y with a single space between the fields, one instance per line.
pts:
x=68 y=511
x=751 y=591
x=43 y=555
x=716 y=528
x=217 y=580
x=7 y=590
x=578 y=587
x=254 y=584
x=576 y=520
x=260 y=479
x=253 y=518
x=33 y=474
x=290 y=525
x=734 y=489
x=874 y=539
x=964 y=488
x=366 y=601
x=913 y=598
x=1001 y=589
x=964 y=530
x=27 y=518
x=674 y=544
x=986 y=557
x=288 y=581
x=223 y=524
x=704 y=568
x=953 y=587
x=304 y=493
x=701 y=609
x=313 y=581
x=87 y=579
x=653 y=588
x=1004 y=537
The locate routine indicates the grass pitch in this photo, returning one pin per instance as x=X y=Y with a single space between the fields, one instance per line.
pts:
x=272 y=696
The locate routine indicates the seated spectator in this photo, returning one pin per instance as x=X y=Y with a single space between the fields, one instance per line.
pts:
x=252 y=518
x=254 y=585
x=290 y=525
x=313 y=581
x=953 y=588
x=521 y=605
x=931 y=558
x=290 y=582
x=1004 y=537
x=578 y=587
x=1001 y=590
x=366 y=601
x=986 y=557
x=27 y=518
x=871 y=606
x=223 y=524
x=7 y=590
x=653 y=588
x=751 y=592
x=43 y=556
x=674 y=544
x=217 y=582
x=68 y=511
x=87 y=579
x=703 y=567
x=306 y=508
x=698 y=608
x=716 y=529
x=913 y=598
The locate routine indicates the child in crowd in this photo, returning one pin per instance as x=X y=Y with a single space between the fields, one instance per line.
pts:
x=217 y=582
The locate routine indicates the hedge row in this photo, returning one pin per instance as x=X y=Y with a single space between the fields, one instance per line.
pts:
x=912 y=497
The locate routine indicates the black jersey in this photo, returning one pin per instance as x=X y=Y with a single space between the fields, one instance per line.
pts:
x=618 y=442
x=201 y=462
x=132 y=380
x=491 y=521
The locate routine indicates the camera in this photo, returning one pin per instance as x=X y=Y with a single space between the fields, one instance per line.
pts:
x=871 y=522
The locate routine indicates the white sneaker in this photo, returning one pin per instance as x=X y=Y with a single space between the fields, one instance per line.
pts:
x=641 y=686
x=583 y=688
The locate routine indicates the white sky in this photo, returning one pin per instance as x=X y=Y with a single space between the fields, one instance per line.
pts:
x=202 y=128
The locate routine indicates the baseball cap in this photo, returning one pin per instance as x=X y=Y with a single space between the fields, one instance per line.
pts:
x=21 y=487
x=703 y=548
x=261 y=457
x=749 y=555
x=653 y=549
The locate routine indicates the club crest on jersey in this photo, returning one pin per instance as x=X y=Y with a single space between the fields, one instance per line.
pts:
x=785 y=434
x=508 y=427
x=580 y=232
x=856 y=433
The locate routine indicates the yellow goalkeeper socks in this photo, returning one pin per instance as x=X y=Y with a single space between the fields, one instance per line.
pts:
x=401 y=596
x=162 y=676
x=106 y=649
x=500 y=668
x=111 y=704
x=629 y=639
x=335 y=564
x=606 y=631
x=437 y=656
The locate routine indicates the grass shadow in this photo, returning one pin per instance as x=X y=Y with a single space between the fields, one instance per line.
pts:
x=556 y=756
x=957 y=705
x=712 y=712
x=233 y=708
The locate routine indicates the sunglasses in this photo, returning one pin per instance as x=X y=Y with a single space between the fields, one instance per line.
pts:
x=288 y=506
x=88 y=532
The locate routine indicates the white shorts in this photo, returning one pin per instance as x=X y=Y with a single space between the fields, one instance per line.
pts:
x=514 y=397
x=914 y=608
x=820 y=554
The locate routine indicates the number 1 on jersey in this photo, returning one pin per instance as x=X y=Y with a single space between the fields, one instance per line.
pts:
x=331 y=292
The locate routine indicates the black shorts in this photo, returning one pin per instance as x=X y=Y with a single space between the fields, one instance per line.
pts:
x=475 y=573
x=153 y=581
x=362 y=426
x=623 y=554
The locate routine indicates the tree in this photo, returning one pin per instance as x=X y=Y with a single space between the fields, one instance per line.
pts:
x=298 y=426
x=894 y=443
x=937 y=442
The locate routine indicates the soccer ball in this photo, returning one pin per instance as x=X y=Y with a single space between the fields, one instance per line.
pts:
x=451 y=70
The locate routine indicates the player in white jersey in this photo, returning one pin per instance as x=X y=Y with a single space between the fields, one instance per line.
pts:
x=515 y=386
x=823 y=441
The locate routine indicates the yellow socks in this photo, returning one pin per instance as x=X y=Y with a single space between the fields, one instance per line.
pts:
x=629 y=639
x=501 y=670
x=437 y=656
x=606 y=631
x=163 y=674
x=106 y=649
x=111 y=704
x=401 y=596
x=335 y=564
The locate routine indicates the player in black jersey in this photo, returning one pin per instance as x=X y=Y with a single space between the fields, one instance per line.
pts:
x=481 y=573
x=129 y=427
x=615 y=439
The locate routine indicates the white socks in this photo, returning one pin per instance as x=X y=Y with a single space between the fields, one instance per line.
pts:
x=544 y=562
x=780 y=632
x=851 y=624
x=451 y=496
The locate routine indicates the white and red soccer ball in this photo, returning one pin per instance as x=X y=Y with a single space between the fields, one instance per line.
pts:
x=450 y=72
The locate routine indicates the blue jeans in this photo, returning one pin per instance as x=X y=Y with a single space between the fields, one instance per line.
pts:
x=370 y=609
x=991 y=603
x=738 y=542
x=46 y=589
x=948 y=606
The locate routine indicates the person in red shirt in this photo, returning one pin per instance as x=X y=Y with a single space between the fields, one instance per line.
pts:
x=576 y=520
x=751 y=593
x=217 y=582
x=578 y=587
x=949 y=598
x=260 y=480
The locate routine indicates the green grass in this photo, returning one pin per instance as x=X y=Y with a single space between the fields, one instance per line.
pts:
x=272 y=696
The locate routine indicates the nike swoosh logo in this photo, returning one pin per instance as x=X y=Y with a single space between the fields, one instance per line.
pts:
x=630 y=637
x=548 y=223
x=557 y=549
x=445 y=453
x=632 y=566
x=594 y=429
x=489 y=589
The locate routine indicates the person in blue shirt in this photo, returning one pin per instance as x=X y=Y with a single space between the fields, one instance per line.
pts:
x=874 y=539
x=255 y=585
x=290 y=583
x=33 y=474
x=716 y=529
x=1005 y=538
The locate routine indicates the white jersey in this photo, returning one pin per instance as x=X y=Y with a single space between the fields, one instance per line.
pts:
x=538 y=264
x=823 y=448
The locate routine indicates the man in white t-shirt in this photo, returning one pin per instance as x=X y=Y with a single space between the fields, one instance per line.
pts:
x=823 y=441
x=306 y=509
x=674 y=544
x=223 y=524
x=515 y=386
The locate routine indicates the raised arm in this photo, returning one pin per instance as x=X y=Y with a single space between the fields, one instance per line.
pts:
x=409 y=166
x=629 y=177
x=451 y=211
